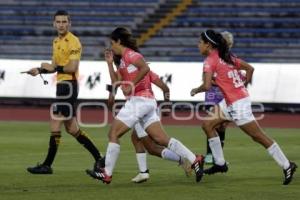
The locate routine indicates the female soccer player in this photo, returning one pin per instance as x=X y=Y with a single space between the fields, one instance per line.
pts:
x=212 y=97
x=140 y=139
x=140 y=107
x=236 y=106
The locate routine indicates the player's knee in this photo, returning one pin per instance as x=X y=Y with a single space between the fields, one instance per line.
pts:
x=151 y=149
x=113 y=136
x=207 y=128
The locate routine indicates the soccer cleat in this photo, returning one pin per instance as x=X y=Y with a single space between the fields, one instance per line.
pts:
x=216 y=168
x=288 y=173
x=100 y=175
x=209 y=159
x=141 y=177
x=99 y=164
x=198 y=167
x=186 y=166
x=40 y=169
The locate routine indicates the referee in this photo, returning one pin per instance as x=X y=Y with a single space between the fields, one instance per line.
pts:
x=65 y=61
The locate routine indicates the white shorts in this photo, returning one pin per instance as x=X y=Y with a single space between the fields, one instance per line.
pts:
x=239 y=112
x=139 y=110
x=140 y=131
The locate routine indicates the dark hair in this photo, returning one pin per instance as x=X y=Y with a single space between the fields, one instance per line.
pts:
x=62 y=13
x=218 y=42
x=125 y=38
x=117 y=60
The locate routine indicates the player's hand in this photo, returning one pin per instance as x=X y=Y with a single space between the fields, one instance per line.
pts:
x=127 y=90
x=109 y=56
x=194 y=92
x=33 y=71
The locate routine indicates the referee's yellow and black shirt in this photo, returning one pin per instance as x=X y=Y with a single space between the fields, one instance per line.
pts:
x=66 y=49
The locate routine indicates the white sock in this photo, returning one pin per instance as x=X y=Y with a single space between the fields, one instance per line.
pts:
x=169 y=155
x=178 y=148
x=142 y=161
x=111 y=157
x=217 y=151
x=275 y=151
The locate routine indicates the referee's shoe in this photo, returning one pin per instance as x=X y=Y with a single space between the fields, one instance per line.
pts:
x=40 y=169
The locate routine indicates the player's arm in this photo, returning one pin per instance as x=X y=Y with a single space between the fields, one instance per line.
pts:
x=108 y=55
x=205 y=86
x=249 y=71
x=166 y=90
x=166 y=107
x=143 y=70
x=110 y=101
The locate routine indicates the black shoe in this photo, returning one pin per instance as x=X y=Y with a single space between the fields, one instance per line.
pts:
x=99 y=164
x=198 y=167
x=288 y=173
x=40 y=169
x=216 y=168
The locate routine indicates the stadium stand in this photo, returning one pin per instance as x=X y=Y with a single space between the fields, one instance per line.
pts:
x=264 y=30
x=29 y=24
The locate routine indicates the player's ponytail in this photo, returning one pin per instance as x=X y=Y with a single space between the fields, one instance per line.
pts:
x=125 y=38
x=218 y=42
x=117 y=60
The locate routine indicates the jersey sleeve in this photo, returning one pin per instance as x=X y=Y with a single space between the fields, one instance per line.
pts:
x=75 y=50
x=133 y=56
x=208 y=65
x=153 y=76
x=237 y=62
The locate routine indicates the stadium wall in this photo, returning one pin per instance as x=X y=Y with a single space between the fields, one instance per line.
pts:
x=272 y=83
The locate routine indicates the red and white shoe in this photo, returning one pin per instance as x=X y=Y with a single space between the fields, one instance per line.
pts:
x=198 y=167
x=100 y=175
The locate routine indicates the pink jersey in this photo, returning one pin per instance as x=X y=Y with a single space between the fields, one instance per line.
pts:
x=128 y=72
x=153 y=76
x=226 y=76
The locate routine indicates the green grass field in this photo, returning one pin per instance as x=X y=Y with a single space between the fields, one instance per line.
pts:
x=252 y=172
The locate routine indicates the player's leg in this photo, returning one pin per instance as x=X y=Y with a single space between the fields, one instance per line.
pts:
x=118 y=128
x=126 y=118
x=208 y=157
x=257 y=134
x=156 y=132
x=209 y=125
x=141 y=157
x=153 y=148
x=158 y=150
x=221 y=132
x=54 y=140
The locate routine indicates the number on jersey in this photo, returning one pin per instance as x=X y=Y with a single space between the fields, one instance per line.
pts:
x=236 y=79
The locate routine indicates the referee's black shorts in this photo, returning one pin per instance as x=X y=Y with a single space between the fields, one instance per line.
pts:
x=66 y=97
